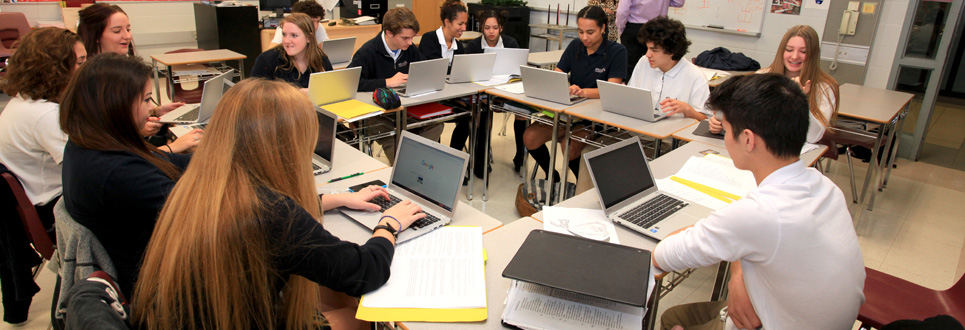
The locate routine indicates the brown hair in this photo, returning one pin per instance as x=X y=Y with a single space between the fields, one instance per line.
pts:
x=42 y=64
x=93 y=22
x=811 y=71
x=314 y=56
x=450 y=10
x=399 y=18
x=208 y=264
x=97 y=109
x=310 y=8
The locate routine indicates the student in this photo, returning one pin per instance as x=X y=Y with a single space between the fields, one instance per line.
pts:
x=247 y=206
x=114 y=182
x=630 y=16
x=313 y=10
x=444 y=43
x=797 y=260
x=492 y=36
x=385 y=59
x=296 y=58
x=593 y=58
x=31 y=142
x=799 y=58
x=676 y=86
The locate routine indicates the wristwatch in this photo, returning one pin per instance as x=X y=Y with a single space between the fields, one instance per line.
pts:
x=386 y=227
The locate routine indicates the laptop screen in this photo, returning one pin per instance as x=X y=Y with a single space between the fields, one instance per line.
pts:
x=621 y=173
x=326 y=136
x=428 y=172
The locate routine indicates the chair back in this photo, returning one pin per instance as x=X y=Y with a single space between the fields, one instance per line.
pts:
x=12 y=26
x=828 y=140
x=32 y=225
x=178 y=93
x=81 y=254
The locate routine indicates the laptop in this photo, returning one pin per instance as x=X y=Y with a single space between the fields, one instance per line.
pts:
x=630 y=196
x=199 y=113
x=325 y=145
x=548 y=85
x=425 y=77
x=426 y=172
x=508 y=60
x=339 y=51
x=472 y=67
x=333 y=86
x=629 y=101
x=179 y=130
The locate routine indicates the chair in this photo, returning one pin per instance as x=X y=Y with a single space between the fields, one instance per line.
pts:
x=12 y=27
x=37 y=234
x=888 y=299
x=177 y=93
x=835 y=136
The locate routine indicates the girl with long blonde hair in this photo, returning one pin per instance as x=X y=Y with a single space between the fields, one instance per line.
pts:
x=298 y=55
x=240 y=243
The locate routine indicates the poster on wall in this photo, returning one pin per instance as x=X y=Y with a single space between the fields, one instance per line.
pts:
x=817 y=4
x=787 y=7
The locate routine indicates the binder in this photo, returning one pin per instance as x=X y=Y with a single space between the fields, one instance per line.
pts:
x=428 y=110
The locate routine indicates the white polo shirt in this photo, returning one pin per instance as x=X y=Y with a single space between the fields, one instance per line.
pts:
x=499 y=43
x=447 y=51
x=32 y=146
x=683 y=82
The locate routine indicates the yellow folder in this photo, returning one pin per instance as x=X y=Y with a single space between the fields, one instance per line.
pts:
x=351 y=108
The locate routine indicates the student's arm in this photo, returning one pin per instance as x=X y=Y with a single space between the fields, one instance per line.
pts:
x=674 y=106
x=594 y=93
x=276 y=40
x=429 y=46
x=739 y=307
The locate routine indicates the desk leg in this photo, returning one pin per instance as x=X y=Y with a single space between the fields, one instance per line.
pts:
x=873 y=165
x=720 y=283
x=402 y=121
x=894 y=148
x=552 y=165
x=566 y=159
x=241 y=69
x=473 y=120
x=488 y=131
x=157 y=79
x=650 y=319
x=656 y=147
x=674 y=143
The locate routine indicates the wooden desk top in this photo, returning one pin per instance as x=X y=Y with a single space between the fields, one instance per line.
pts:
x=871 y=104
x=198 y=57
x=542 y=104
x=347 y=161
x=660 y=129
x=687 y=134
x=544 y=58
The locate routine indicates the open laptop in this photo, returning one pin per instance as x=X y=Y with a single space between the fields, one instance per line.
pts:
x=629 y=101
x=199 y=113
x=333 y=86
x=472 y=67
x=425 y=77
x=547 y=85
x=179 y=130
x=508 y=60
x=325 y=145
x=630 y=196
x=339 y=51
x=429 y=174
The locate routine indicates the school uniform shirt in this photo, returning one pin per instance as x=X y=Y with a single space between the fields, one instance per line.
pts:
x=269 y=65
x=32 y=146
x=320 y=34
x=379 y=63
x=796 y=244
x=433 y=46
x=683 y=82
x=479 y=45
x=816 y=128
x=118 y=196
x=609 y=61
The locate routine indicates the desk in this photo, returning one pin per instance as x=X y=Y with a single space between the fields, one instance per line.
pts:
x=542 y=59
x=687 y=134
x=206 y=56
x=878 y=106
x=347 y=161
x=658 y=130
x=362 y=34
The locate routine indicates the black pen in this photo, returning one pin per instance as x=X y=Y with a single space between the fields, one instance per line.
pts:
x=345 y=177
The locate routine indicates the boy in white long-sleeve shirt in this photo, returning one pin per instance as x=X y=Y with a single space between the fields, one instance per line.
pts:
x=796 y=259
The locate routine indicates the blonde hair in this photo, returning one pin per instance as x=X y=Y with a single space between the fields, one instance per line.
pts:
x=811 y=71
x=209 y=263
x=314 y=56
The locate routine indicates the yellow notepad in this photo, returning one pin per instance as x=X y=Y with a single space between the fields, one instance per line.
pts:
x=351 y=109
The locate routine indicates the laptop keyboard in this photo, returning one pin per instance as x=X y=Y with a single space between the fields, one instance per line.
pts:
x=198 y=126
x=191 y=115
x=319 y=169
x=421 y=223
x=652 y=211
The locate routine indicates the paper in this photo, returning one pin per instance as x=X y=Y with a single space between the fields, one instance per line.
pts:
x=441 y=269
x=533 y=306
x=808 y=147
x=515 y=88
x=352 y=110
x=712 y=74
x=495 y=80
x=586 y=223
x=719 y=173
x=687 y=193
x=328 y=4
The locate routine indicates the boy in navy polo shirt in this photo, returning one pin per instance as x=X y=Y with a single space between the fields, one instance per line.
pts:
x=385 y=59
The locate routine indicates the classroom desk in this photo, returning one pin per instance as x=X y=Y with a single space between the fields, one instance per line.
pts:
x=347 y=161
x=541 y=59
x=877 y=106
x=658 y=130
x=206 y=56
x=687 y=134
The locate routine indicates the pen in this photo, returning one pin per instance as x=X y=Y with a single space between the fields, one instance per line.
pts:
x=345 y=177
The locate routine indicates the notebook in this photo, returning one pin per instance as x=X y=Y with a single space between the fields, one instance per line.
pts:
x=629 y=193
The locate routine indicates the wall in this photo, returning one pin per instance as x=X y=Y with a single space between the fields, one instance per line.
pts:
x=885 y=43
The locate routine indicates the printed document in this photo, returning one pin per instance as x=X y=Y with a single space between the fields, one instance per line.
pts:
x=586 y=223
x=534 y=306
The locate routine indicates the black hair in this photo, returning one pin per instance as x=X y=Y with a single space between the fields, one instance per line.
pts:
x=598 y=15
x=485 y=15
x=771 y=105
x=450 y=10
x=310 y=8
x=667 y=33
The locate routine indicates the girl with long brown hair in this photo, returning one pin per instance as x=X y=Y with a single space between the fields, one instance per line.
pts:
x=799 y=58
x=240 y=243
x=114 y=182
x=298 y=55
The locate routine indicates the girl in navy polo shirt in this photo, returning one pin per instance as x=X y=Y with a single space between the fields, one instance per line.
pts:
x=594 y=57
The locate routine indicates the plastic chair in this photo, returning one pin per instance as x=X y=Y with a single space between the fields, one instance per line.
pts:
x=37 y=234
x=12 y=27
x=888 y=299
x=177 y=93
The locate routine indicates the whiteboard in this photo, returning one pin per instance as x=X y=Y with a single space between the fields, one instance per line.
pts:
x=735 y=16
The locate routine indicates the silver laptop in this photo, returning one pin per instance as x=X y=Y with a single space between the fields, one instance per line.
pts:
x=179 y=130
x=325 y=145
x=629 y=101
x=199 y=113
x=429 y=174
x=333 y=86
x=630 y=196
x=471 y=67
x=547 y=85
x=508 y=60
x=339 y=51
x=425 y=77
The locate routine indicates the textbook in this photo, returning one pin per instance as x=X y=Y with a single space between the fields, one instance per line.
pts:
x=428 y=110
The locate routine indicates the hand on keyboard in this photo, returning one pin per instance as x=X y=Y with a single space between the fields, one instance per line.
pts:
x=406 y=212
x=365 y=199
x=186 y=141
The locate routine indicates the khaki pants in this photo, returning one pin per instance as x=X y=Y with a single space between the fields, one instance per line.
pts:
x=695 y=316
x=431 y=132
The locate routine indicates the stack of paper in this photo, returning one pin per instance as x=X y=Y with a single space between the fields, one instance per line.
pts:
x=533 y=306
x=714 y=176
x=364 y=20
x=515 y=88
x=438 y=277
